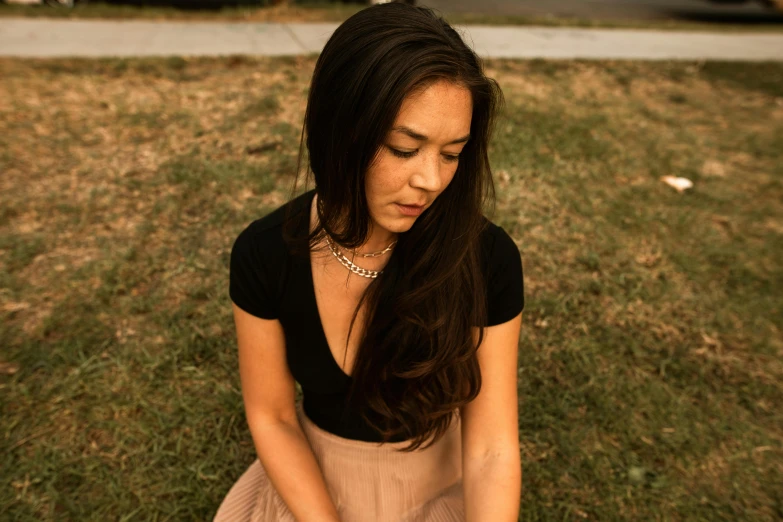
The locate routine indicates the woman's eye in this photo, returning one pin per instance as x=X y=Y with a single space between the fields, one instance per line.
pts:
x=402 y=154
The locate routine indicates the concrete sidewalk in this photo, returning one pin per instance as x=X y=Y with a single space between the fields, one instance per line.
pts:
x=82 y=38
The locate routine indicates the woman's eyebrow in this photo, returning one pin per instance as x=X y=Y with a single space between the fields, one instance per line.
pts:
x=421 y=137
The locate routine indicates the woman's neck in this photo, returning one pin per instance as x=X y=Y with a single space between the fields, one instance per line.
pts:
x=379 y=238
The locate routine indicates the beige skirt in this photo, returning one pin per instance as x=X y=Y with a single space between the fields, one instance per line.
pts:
x=367 y=481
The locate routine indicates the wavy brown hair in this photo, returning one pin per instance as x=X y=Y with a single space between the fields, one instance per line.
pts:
x=416 y=361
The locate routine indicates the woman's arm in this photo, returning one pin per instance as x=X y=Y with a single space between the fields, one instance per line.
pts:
x=269 y=392
x=491 y=466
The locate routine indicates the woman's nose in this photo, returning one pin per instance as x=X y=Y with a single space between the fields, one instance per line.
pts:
x=427 y=174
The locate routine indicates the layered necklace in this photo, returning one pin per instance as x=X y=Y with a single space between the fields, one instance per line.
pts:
x=350 y=265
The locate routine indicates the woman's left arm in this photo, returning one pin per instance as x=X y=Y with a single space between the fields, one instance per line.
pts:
x=491 y=465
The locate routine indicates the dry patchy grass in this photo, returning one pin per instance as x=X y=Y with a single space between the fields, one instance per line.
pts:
x=315 y=11
x=650 y=360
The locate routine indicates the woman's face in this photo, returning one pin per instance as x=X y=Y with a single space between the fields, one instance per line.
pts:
x=419 y=156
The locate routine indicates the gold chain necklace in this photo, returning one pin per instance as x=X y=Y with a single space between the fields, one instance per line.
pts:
x=350 y=265
x=380 y=252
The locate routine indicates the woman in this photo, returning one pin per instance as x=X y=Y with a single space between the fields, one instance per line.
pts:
x=390 y=267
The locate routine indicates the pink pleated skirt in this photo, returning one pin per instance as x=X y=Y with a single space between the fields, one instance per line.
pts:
x=368 y=482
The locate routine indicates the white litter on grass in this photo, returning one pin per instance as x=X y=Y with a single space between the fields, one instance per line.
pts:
x=679 y=184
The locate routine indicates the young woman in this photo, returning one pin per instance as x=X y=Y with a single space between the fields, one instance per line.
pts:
x=386 y=294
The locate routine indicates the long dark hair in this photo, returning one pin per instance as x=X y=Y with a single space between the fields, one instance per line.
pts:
x=416 y=361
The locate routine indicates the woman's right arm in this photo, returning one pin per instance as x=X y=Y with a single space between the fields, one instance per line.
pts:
x=269 y=394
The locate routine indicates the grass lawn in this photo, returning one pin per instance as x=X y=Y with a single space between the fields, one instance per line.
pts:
x=313 y=12
x=331 y=12
x=650 y=357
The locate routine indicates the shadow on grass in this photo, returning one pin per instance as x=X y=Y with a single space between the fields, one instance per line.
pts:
x=719 y=18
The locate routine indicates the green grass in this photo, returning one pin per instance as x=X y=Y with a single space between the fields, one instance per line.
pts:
x=315 y=11
x=305 y=12
x=650 y=356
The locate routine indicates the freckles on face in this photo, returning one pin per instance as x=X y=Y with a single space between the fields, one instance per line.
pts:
x=420 y=155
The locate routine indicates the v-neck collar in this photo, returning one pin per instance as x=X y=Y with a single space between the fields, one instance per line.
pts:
x=310 y=298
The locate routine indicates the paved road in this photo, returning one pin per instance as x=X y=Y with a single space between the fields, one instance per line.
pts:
x=61 y=38
x=725 y=11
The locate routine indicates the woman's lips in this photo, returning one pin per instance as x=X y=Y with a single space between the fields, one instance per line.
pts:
x=410 y=210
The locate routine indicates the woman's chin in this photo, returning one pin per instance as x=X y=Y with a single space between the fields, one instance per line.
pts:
x=400 y=225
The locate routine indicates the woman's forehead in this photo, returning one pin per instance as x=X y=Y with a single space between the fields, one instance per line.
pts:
x=441 y=111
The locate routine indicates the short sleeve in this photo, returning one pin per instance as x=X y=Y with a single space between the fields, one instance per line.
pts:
x=505 y=285
x=251 y=281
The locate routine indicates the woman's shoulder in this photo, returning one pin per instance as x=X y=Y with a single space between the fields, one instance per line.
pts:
x=260 y=260
x=503 y=272
x=266 y=233
x=496 y=243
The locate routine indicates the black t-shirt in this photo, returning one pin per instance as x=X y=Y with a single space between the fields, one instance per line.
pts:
x=268 y=282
